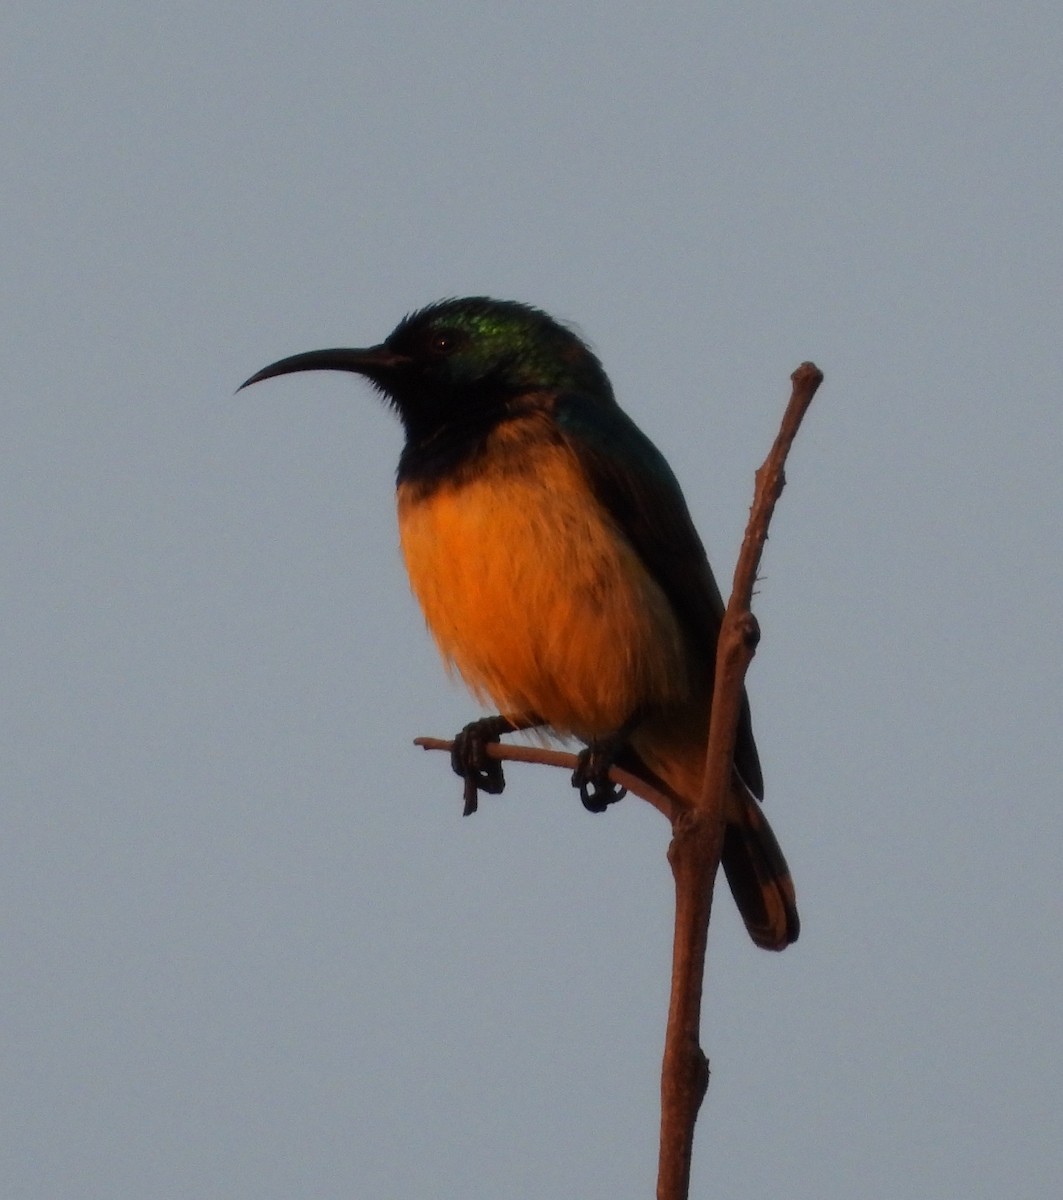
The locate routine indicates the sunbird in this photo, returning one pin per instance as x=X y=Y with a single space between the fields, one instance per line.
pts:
x=555 y=559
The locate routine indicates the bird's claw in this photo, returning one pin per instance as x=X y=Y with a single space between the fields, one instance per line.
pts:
x=591 y=776
x=470 y=760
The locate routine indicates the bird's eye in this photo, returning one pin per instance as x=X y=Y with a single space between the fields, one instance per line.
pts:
x=442 y=342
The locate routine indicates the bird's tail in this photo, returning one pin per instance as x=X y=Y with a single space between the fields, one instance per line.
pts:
x=757 y=873
x=752 y=858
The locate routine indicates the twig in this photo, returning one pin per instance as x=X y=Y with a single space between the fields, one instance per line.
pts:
x=697 y=835
x=505 y=752
x=697 y=832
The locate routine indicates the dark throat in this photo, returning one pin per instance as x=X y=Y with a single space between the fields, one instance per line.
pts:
x=459 y=449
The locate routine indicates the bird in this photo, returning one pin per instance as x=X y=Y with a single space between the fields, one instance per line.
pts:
x=558 y=568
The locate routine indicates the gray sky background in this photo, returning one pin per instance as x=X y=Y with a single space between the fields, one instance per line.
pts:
x=249 y=947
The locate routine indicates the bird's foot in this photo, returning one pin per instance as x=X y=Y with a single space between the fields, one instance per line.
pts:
x=591 y=776
x=470 y=759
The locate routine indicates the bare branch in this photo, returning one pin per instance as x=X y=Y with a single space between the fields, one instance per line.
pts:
x=697 y=840
x=697 y=831
x=505 y=752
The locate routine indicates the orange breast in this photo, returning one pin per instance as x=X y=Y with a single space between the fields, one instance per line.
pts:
x=536 y=598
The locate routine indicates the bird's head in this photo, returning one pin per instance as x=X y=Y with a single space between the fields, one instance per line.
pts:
x=464 y=362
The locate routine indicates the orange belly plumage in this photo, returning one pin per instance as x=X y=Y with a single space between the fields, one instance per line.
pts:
x=537 y=599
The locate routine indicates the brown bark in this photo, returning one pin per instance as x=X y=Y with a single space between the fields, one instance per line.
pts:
x=697 y=832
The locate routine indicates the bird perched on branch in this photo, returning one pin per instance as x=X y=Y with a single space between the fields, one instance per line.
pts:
x=558 y=568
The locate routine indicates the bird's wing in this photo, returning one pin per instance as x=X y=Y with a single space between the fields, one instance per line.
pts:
x=635 y=485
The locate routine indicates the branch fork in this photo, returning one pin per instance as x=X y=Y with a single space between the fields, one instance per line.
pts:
x=697 y=831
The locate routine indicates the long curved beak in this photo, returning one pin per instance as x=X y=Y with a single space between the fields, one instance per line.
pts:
x=376 y=363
